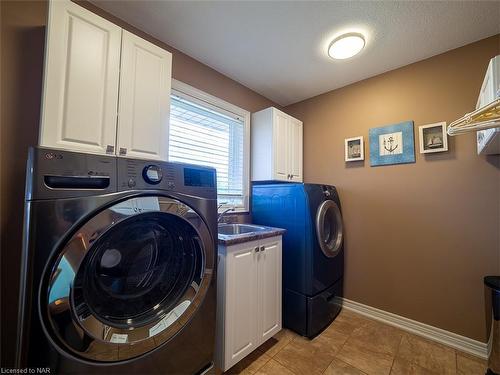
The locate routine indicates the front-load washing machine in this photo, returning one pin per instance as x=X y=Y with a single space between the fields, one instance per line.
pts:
x=119 y=261
x=313 y=250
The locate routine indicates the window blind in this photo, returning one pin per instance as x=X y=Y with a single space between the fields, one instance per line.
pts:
x=203 y=136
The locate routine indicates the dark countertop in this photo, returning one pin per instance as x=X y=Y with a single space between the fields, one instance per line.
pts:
x=228 y=240
x=493 y=282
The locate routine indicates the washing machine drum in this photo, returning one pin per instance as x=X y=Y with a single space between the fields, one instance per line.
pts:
x=128 y=280
x=329 y=228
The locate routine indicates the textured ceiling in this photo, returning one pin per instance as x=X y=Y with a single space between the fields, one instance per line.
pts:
x=278 y=48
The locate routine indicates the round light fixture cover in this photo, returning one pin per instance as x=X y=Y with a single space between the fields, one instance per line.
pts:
x=346 y=45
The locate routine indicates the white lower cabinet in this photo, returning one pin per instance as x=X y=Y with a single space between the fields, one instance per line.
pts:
x=248 y=298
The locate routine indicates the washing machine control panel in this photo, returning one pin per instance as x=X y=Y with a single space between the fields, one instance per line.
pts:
x=135 y=174
x=152 y=174
x=140 y=174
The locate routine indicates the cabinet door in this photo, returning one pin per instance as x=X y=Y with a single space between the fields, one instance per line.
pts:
x=80 y=92
x=241 y=303
x=487 y=93
x=269 y=284
x=144 y=107
x=295 y=149
x=280 y=140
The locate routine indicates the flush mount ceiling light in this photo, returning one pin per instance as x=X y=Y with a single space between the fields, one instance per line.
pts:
x=346 y=45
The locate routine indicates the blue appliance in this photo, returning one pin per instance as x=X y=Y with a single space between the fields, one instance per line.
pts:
x=313 y=252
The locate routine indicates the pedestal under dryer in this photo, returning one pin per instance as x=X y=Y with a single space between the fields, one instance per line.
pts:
x=313 y=250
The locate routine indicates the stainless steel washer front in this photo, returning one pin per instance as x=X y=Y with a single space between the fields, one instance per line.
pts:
x=127 y=280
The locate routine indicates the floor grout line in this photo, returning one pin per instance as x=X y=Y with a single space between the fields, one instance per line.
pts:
x=256 y=371
x=397 y=352
x=334 y=358
x=285 y=366
x=342 y=347
x=281 y=363
x=348 y=364
x=372 y=322
x=284 y=346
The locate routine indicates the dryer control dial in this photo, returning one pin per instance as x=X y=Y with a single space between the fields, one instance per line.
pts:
x=152 y=174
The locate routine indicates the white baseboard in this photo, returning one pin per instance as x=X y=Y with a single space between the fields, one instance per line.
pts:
x=462 y=343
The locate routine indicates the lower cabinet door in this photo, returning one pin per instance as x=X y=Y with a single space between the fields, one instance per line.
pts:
x=269 y=285
x=241 y=303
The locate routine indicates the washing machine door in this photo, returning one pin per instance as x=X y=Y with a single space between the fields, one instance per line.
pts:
x=329 y=228
x=128 y=279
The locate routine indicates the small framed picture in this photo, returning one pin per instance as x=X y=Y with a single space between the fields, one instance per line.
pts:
x=433 y=138
x=354 y=149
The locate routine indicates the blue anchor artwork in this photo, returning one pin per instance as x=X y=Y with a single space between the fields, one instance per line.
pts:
x=392 y=144
x=391 y=148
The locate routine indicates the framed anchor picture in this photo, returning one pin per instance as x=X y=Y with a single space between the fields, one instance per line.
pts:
x=392 y=144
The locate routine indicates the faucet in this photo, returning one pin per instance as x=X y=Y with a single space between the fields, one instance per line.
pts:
x=221 y=215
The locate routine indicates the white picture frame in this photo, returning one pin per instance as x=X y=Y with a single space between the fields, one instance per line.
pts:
x=354 y=149
x=433 y=138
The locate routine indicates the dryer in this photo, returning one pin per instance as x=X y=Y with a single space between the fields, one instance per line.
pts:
x=119 y=261
x=313 y=250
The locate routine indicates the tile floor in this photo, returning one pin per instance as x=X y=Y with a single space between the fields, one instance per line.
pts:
x=355 y=345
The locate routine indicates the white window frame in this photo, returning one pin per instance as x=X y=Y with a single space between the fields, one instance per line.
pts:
x=194 y=95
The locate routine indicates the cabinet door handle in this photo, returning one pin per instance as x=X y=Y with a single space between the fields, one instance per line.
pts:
x=256 y=249
x=123 y=151
x=110 y=149
x=262 y=248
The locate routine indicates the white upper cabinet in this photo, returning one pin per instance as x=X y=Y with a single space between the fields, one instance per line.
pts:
x=488 y=141
x=490 y=89
x=281 y=155
x=276 y=146
x=144 y=107
x=105 y=89
x=80 y=95
x=295 y=149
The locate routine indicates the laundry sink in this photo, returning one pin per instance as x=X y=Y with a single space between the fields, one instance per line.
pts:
x=239 y=229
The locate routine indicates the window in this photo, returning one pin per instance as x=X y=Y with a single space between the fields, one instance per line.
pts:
x=208 y=131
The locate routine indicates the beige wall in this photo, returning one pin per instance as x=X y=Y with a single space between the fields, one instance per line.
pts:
x=23 y=32
x=419 y=237
x=22 y=44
